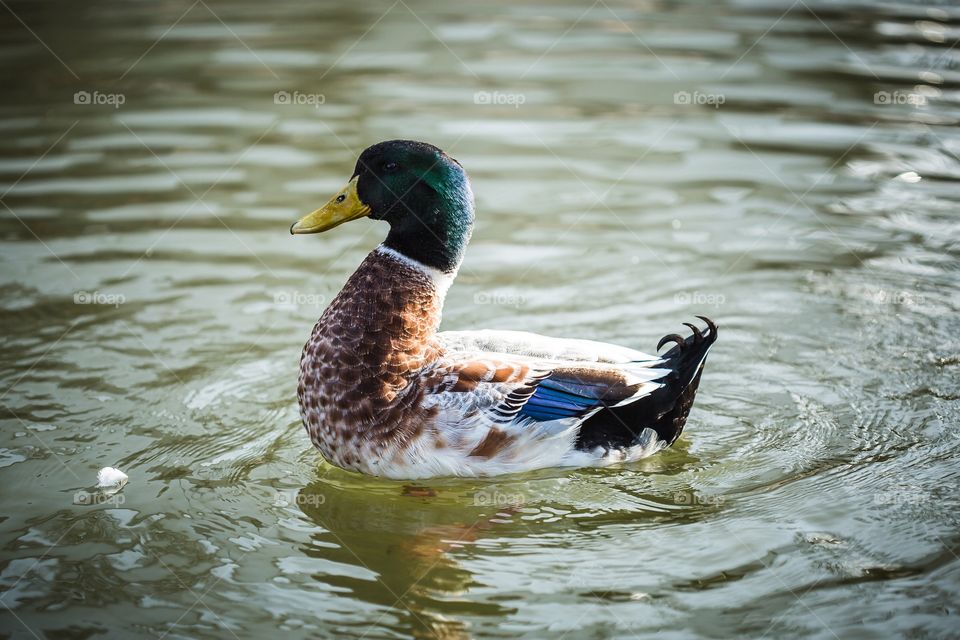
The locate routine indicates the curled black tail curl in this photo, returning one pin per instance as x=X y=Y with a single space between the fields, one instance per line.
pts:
x=666 y=409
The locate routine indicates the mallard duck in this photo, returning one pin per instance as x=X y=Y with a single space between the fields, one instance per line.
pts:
x=383 y=392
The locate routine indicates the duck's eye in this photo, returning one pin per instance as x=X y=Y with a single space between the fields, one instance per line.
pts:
x=341 y=198
x=390 y=166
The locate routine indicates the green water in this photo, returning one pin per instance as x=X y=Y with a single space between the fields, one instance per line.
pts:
x=791 y=173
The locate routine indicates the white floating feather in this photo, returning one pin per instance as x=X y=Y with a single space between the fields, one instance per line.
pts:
x=110 y=477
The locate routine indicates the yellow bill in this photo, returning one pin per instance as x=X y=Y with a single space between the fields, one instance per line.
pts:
x=343 y=207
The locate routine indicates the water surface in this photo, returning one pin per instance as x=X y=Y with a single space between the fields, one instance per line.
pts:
x=789 y=169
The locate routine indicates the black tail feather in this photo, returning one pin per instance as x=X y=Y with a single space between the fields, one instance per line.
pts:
x=666 y=409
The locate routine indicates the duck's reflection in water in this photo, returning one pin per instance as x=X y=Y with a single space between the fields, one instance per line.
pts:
x=407 y=550
x=408 y=537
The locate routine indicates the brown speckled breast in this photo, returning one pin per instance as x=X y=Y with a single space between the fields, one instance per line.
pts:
x=360 y=391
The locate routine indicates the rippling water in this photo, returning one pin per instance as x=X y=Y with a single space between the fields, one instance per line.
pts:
x=788 y=169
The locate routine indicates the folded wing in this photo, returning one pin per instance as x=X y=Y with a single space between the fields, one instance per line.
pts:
x=504 y=377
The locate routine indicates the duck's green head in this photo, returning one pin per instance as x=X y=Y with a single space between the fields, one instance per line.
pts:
x=423 y=194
